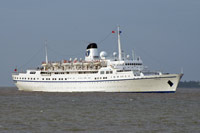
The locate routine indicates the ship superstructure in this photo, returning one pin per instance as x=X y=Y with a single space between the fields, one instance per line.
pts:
x=96 y=73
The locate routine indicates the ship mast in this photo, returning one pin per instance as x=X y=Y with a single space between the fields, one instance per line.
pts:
x=119 y=44
x=46 y=51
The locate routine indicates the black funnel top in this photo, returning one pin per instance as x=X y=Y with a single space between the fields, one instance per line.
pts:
x=92 y=45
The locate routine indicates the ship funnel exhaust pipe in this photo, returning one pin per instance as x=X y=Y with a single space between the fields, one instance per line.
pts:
x=119 y=44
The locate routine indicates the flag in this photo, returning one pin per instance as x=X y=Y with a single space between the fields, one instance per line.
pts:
x=113 y=31
x=15 y=70
x=120 y=32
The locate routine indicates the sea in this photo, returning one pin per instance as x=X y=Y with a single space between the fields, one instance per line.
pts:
x=44 y=112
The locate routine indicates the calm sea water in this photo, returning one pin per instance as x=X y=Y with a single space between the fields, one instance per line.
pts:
x=35 y=112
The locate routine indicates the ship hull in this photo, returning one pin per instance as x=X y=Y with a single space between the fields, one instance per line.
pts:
x=162 y=83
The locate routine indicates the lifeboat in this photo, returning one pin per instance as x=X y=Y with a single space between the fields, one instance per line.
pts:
x=86 y=63
x=96 y=63
x=44 y=64
x=77 y=63
x=65 y=63
x=55 y=64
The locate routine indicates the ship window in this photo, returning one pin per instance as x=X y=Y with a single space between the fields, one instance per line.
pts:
x=107 y=72
x=65 y=78
x=102 y=72
x=32 y=72
x=42 y=78
x=111 y=72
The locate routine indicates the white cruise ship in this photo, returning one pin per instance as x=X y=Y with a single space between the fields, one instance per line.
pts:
x=97 y=73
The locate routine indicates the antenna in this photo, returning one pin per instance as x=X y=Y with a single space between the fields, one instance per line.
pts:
x=119 y=44
x=182 y=70
x=46 y=51
x=133 y=54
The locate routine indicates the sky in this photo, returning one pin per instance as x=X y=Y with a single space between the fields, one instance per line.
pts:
x=164 y=33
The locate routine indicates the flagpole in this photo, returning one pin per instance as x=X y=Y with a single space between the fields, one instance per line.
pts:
x=46 y=51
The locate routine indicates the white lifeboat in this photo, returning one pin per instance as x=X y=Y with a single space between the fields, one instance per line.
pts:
x=44 y=64
x=97 y=63
x=77 y=63
x=55 y=63
x=66 y=64
x=86 y=63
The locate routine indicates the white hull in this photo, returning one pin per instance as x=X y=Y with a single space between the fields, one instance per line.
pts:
x=146 y=84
